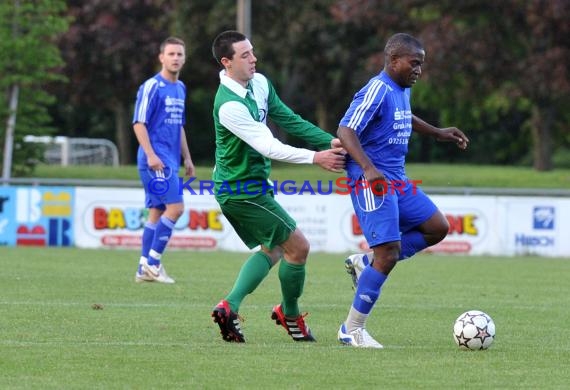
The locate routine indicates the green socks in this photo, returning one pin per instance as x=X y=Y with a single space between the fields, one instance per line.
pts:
x=292 y=277
x=255 y=269
x=252 y=273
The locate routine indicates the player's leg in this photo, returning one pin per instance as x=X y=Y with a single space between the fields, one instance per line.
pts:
x=251 y=274
x=353 y=330
x=155 y=209
x=435 y=229
x=292 y=278
x=163 y=232
x=162 y=193
x=421 y=223
x=147 y=238
x=154 y=215
x=380 y=226
x=262 y=221
x=256 y=224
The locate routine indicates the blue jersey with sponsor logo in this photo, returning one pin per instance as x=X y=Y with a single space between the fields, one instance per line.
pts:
x=381 y=116
x=160 y=106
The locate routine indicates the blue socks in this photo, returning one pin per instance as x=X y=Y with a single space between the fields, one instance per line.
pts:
x=368 y=289
x=162 y=235
x=412 y=242
x=147 y=237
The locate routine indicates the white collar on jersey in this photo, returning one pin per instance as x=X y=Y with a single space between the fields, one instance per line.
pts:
x=233 y=85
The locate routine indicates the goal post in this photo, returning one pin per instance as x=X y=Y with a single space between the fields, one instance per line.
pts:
x=67 y=151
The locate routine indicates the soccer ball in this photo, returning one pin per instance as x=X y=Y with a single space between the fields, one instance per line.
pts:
x=474 y=330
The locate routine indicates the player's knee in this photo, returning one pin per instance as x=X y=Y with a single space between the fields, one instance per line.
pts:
x=441 y=231
x=274 y=255
x=385 y=264
x=386 y=257
x=303 y=249
x=174 y=211
x=298 y=250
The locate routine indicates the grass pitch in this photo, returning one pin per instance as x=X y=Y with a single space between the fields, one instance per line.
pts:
x=72 y=318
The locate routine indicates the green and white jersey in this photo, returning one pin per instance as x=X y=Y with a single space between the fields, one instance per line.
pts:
x=245 y=145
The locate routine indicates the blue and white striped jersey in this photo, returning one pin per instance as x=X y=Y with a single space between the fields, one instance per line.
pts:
x=381 y=116
x=160 y=106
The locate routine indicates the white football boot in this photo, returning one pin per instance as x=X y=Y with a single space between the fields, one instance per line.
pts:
x=157 y=273
x=354 y=265
x=140 y=275
x=359 y=338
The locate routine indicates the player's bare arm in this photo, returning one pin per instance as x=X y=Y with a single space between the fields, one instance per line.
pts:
x=189 y=169
x=447 y=134
x=153 y=161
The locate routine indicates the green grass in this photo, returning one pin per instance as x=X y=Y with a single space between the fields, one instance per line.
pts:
x=431 y=175
x=161 y=336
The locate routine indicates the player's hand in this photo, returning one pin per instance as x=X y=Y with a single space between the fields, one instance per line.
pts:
x=155 y=163
x=376 y=180
x=453 y=134
x=331 y=159
x=335 y=143
x=189 y=169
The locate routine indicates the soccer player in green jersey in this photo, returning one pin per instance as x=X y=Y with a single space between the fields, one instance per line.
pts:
x=245 y=147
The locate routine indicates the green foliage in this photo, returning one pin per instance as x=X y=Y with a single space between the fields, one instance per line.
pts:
x=481 y=76
x=562 y=158
x=54 y=336
x=30 y=57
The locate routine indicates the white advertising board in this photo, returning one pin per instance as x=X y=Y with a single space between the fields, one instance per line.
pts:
x=115 y=217
x=479 y=225
x=536 y=226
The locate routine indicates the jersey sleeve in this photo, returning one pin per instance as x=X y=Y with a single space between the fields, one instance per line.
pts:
x=235 y=117
x=293 y=124
x=366 y=103
x=183 y=86
x=144 y=106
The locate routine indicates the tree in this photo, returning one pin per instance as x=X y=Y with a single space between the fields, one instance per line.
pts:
x=520 y=62
x=29 y=61
x=110 y=49
x=499 y=67
x=198 y=23
x=312 y=58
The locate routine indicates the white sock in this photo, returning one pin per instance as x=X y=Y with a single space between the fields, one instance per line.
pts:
x=355 y=319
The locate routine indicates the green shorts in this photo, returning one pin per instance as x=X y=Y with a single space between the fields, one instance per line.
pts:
x=259 y=221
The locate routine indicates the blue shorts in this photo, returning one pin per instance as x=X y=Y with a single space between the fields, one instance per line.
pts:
x=384 y=217
x=160 y=187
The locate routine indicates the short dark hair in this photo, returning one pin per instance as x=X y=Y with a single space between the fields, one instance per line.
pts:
x=171 y=41
x=400 y=44
x=223 y=44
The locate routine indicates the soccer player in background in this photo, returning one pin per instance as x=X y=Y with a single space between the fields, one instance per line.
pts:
x=158 y=123
x=396 y=223
x=245 y=147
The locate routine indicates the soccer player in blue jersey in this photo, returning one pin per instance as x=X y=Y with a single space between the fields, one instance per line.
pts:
x=399 y=220
x=158 y=123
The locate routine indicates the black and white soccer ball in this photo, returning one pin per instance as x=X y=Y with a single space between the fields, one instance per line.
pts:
x=474 y=329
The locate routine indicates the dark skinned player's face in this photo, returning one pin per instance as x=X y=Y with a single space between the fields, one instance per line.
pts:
x=406 y=69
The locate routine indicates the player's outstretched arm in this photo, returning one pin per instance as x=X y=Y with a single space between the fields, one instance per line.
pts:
x=447 y=134
x=331 y=159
